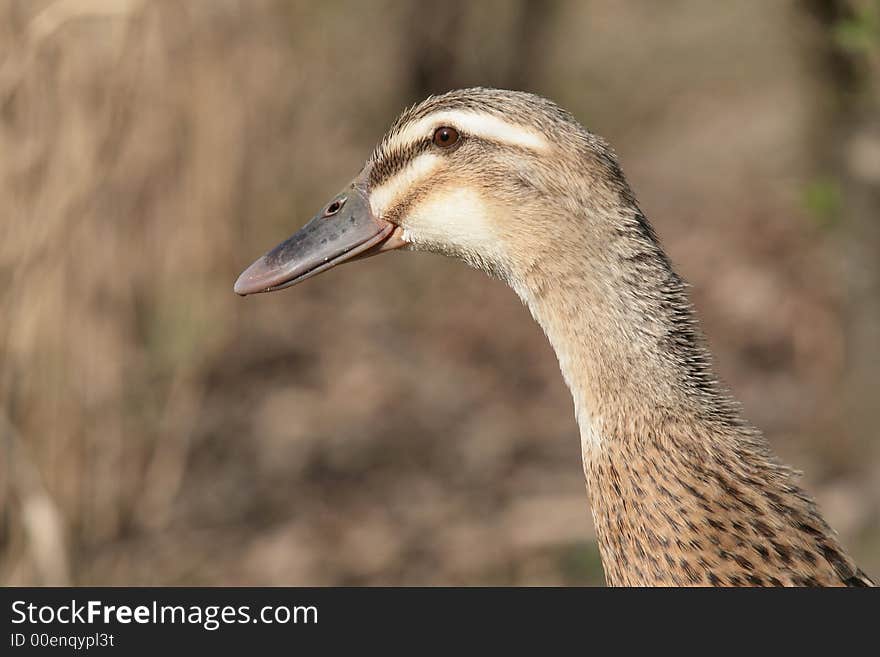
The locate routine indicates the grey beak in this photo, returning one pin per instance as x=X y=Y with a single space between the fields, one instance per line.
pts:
x=344 y=230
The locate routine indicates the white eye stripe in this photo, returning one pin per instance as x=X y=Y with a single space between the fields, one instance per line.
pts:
x=476 y=124
x=387 y=195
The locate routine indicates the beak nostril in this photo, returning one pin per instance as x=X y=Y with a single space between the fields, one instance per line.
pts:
x=334 y=207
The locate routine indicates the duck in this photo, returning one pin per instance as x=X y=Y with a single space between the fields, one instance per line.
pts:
x=683 y=490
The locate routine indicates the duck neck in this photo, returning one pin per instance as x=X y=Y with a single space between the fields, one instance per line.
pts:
x=682 y=490
x=624 y=332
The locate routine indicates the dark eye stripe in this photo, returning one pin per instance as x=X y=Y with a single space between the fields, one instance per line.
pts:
x=388 y=164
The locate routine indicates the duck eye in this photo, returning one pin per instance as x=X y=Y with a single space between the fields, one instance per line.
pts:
x=334 y=207
x=445 y=137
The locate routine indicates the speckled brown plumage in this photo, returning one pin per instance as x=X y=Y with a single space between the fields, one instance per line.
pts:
x=669 y=512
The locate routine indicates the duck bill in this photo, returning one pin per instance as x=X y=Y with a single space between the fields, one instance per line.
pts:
x=345 y=230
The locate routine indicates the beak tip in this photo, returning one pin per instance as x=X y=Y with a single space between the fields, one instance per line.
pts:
x=243 y=285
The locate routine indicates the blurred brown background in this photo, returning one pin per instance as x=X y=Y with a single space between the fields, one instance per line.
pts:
x=401 y=420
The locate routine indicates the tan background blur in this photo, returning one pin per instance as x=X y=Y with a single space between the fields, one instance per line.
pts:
x=400 y=420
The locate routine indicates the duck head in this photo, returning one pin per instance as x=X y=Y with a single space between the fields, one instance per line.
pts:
x=495 y=178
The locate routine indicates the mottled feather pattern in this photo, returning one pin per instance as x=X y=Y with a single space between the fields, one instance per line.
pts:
x=668 y=514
